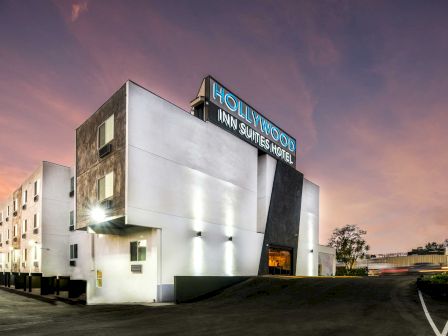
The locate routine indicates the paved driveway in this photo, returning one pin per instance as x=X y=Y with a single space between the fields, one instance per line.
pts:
x=261 y=306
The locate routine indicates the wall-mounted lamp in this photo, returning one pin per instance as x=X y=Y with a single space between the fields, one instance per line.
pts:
x=230 y=238
x=199 y=234
x=311 y=251
x=97 y=214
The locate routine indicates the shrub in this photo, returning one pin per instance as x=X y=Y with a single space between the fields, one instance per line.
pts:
x=353 y=272
x=441 y=278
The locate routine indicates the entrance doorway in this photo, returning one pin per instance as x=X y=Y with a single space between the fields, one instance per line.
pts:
x=279 y=259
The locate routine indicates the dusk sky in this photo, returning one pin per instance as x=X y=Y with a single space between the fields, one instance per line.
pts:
x=361 y=85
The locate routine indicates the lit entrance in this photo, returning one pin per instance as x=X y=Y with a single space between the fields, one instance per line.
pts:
x=280 y=261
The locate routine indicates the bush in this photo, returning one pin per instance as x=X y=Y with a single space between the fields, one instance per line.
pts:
x=353 y=272
x=441 y=278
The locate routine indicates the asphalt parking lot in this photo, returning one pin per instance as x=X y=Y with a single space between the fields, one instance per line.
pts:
x=260 y=306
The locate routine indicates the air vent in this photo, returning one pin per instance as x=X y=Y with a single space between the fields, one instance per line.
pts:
x=36 y=231
x=107 y=204
x=136 y=268
x=72 y=262
x=105 y=150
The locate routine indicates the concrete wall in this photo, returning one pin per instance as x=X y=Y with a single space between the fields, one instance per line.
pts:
x=184 y=176
x=265 y=181
x=327 y=260
x=307 y=254
x=112 y=258
x=56 y=205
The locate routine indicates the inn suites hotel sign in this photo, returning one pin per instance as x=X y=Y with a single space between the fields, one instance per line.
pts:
x=215 y=103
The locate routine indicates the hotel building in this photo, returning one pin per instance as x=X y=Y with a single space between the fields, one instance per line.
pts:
x=165 y=192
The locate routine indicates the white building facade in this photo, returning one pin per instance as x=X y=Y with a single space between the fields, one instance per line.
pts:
x=162 y=192
x=34 y=224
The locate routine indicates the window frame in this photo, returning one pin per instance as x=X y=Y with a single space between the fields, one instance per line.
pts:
x=137 y=251
x=105 y=181
x=98 y=132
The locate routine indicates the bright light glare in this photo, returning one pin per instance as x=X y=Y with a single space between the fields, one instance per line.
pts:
x=97 y=214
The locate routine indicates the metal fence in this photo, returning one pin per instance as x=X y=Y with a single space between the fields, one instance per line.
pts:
x=413 y=259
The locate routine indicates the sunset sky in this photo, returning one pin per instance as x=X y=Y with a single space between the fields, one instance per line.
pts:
x=361 y=85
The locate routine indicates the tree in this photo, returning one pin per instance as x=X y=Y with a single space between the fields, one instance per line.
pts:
x=350 y=245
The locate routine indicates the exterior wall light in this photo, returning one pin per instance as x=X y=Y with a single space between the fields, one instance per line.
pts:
x=311 y=251
x=199 y=234
x=97 y=214
x=230 y=238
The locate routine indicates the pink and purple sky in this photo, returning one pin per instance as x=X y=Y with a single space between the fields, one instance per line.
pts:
x=361 y=85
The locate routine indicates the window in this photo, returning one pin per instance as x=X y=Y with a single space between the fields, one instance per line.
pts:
x=15 y=230
x=74 y=251
x=8 y=211
x=105 y=187
x=25 y=255
x=99 y=278
x=8 y=234
x=1 y=216
x=24 y=226
x=35 y=221
x=72 y=184
x=35 y=252
x=25 y=197
x=36 y=187
x=72 y=221
x=106 y=132
x=138 y=250
x=14 y=204
x=1 y=238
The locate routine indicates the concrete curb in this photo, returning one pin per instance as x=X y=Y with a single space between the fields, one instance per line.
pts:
x=30 y=295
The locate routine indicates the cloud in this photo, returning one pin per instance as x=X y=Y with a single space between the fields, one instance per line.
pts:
x=77 y=9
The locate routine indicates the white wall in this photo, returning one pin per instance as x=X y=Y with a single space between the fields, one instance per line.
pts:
x=120 y=285
x=266 y=173
x=307 y=252
x=56 y=205
x=184 y=176
x=327 y=260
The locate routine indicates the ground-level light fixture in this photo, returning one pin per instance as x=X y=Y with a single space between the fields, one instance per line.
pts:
x=97 y=214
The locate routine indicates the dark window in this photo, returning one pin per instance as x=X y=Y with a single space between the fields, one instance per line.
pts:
x=72 y=184
x=72 y=221
x=73 y=251
x=138 y=250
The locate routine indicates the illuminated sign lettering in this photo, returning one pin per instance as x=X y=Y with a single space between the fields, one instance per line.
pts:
x=228 y=111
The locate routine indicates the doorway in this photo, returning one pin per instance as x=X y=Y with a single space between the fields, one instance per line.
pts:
x=279 y=259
